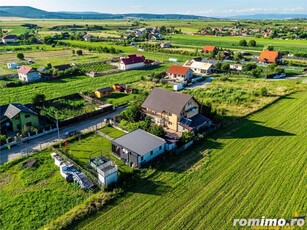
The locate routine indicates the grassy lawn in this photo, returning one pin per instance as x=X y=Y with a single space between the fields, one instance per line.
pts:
x=32 y=197
x=119 y=98
x=66 y=86
x=93 y=145
x=112 y=132
x=253 y=169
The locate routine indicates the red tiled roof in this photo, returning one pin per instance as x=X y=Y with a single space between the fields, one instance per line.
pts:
x=132 y=59
x=25 y=70
x=269 y=56
x=177 y=69
x=209 y=48
x=10 y=36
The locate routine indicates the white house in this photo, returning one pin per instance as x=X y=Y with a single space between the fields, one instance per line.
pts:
x=179 y=73
x=138 y=147
x=13 y=65
x=9 y=39
x=237 y=67
x=200 y=67
x=134 y=61
x=165 y=45
x=27 y=74
x=88 y=37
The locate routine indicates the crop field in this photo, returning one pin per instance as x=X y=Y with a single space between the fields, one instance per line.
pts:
x=93 y=145
x=237 y=173
x=32 y=197
x=66 y=86
x=233 y=42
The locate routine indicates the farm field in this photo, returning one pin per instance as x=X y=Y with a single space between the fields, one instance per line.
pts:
x=233 y=42
x=66 y=86
x=55 y=57
x=32 y=197
x=237 y=173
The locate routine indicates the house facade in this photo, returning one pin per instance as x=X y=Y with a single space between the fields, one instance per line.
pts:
x=9 y=39
x=15 y=117
x=168 y=109
x=134 y=61
x=138 y=147
x=179 y=73
x=27 y=74
x=200 y=67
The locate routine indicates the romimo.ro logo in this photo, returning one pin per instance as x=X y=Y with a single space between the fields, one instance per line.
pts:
x=266 y=222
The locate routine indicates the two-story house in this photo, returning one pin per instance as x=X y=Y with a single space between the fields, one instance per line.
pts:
x=175 y=111
x=15 y=117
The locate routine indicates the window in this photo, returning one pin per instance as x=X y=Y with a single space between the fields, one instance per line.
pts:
x=27 y=116
x=151 y=152
x=142 y=158
x=160 y=147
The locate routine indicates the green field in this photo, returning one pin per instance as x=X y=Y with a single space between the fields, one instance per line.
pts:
x=66 y=86
x=32 y=197
x=233 y=42
x=253 y=169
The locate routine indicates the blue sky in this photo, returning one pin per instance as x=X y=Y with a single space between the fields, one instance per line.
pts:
x=196 y=7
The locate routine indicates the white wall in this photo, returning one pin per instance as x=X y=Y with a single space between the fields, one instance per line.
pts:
x=122 y=66
x=30 y=77
x=112 y=178
x=147 y=157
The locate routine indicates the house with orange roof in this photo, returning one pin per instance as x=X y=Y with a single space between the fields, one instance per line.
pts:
x=28 y=74
x=179 y=73
x=207 y=49
x=268 y=56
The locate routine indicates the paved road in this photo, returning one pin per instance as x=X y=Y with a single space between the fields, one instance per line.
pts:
x=52 y=138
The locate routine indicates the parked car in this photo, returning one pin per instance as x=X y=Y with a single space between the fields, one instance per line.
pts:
x=71 y=133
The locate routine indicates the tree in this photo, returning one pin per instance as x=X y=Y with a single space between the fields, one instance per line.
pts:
x=225 y=67
x=238 y=56
x=38 y=99
x=220 y=56
x=269 y=47
x=252 y=43
x=187 y=137
x=73 y=52
x=156 y=130
x=243 y=42
x=79 y=52
x=20 y=56
x=256 y=72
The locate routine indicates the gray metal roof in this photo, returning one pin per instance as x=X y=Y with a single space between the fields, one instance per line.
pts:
x=164 y=100
x=139 y=141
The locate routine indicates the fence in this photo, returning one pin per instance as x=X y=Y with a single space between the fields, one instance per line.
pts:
x=90 y=99
x=89 y=174
x=28 y=138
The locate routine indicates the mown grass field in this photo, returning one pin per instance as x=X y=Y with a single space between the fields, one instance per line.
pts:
x=32 y=197
x=66 y=86
x=255 y=168
x=233 y=42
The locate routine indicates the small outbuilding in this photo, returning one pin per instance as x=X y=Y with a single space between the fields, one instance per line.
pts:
x=103 y=92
